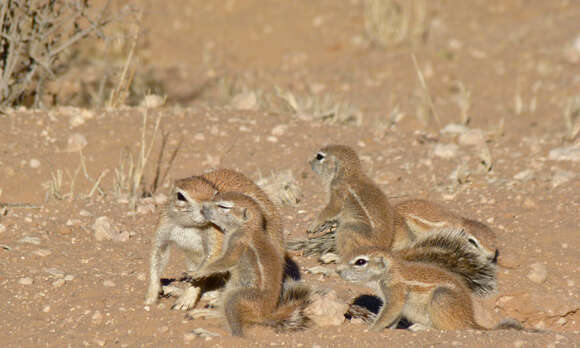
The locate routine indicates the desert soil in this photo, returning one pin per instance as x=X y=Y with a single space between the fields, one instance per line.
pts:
x=513 y=167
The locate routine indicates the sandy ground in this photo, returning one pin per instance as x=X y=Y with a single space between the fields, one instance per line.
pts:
x=220 y=64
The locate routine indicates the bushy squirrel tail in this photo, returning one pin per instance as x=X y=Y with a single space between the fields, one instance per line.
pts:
x=290 y=315
x=449 y=248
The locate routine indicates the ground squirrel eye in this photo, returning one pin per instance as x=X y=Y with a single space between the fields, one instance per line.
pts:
x=181 y=197
x=319 y=156
x=473 y=242
x=360 y=262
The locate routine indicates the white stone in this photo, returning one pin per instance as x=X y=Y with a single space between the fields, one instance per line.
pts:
x=326 y=309
x=42 y=252
x=524 y=175
x=2 y=228
x=29 y=240
x=570 y=153
x=472 y=137
x=539 y=273
x=34 y=163
x=279 y=130
x=152 y=101
x=245 y=101
x=445 y=150
x=108 y=283
x=76 y=142
x=454 y=128
x=561 y=177
x=25 y=281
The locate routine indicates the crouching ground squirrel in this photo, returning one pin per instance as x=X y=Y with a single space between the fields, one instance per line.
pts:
x=425 y=220
x=422 y=217
x=352 y=197
x=254 y=294
x=423 y=293
x=183 y=224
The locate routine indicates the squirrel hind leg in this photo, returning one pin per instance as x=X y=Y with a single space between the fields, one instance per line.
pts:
x=242 y=307
x=449 y=310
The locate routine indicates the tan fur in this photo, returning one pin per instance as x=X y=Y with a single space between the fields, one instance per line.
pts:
x=422 y=217
x=354 y=197
x=425 y=294
x=256 y=267
x=189 y=230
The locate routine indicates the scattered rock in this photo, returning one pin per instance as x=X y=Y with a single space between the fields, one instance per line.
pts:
x=146 y=206
x=76 y=142
x=108 y=283
x=69 y=278
x=34 y=163
x=42 y=252
x=2 y=228
x=473 y=137
x=245 y=101
x=203 y=333
x=46 y=309
x=152 y=101
x=29 y=240
x=282 y=188
x=325 y=271
x=160 y=199
x=561 y=177
x=55 y=272
x=326 y=309
x=279 y=130
x=524 y=175
x=58 y=283
x=539 y=273
x=25 y=281
x=84 y=213
x=97 y=317
x=570 y=153
x=105 y=230
x=454 y=128
x=445 y=150
x=77 y=116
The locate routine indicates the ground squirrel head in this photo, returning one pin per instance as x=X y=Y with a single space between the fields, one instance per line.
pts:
x=482 y=238
x=231 y=210
x=366 y=265
x=186 y=198
x=335 y=160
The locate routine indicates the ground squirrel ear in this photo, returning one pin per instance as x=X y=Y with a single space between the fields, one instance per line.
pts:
x=246 y=214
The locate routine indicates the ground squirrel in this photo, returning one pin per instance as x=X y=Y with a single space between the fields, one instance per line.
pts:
x=424 y=293
x=255 y=293
x=423 y=216
x=352 y=197
x=182 y=224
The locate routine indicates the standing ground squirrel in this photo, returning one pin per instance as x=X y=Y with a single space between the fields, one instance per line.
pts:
x=254 y=293
x=352 y=197
x=423 y=293
x=183 y=224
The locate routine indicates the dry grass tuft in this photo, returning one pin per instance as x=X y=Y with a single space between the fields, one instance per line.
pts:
x=321 y=108
x=390 y=22
x=463 y=101
x=129 y=176
x=425 y=106
x=572 y=117
x=282 y=188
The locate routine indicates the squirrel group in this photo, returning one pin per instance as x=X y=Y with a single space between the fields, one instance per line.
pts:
x=424 y=260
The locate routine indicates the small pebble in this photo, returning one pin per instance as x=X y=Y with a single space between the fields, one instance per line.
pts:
x=25 y=281
x=34 y=163
x=539 y=273
x=108 y=283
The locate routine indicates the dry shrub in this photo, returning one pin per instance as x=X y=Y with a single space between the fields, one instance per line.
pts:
x=282 y=188
x=37 y=38
x=390 y=22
